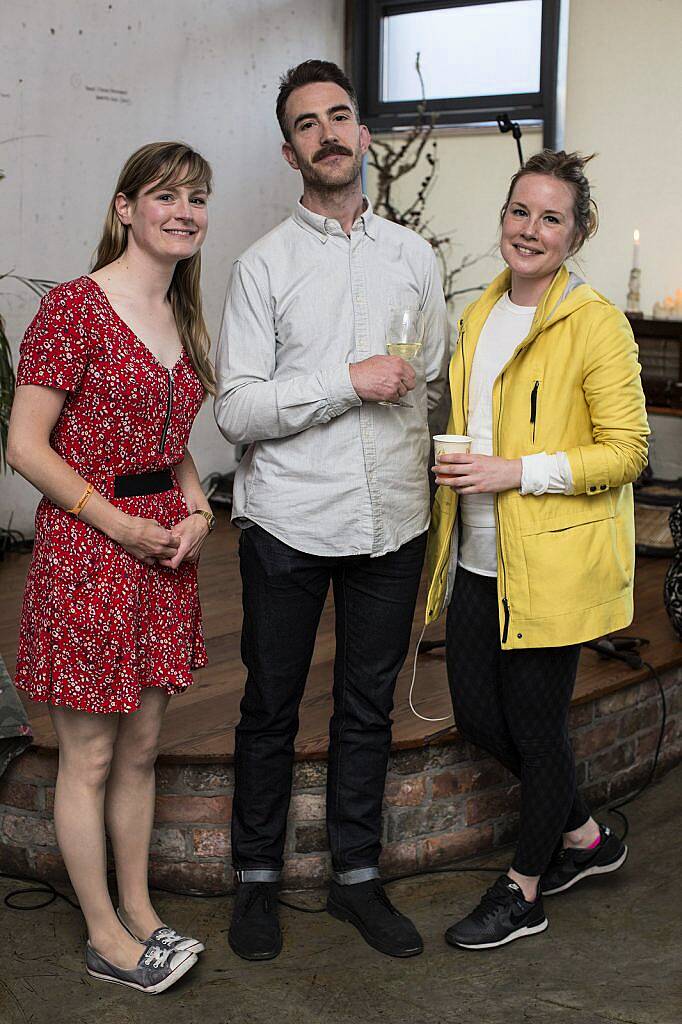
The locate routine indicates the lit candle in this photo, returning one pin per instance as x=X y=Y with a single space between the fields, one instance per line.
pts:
x=635 y=251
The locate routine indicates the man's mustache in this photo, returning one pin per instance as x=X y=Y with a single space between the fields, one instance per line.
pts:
x=332 y=150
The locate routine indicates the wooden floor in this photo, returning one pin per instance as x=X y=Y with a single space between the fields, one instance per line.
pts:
x=200 y=723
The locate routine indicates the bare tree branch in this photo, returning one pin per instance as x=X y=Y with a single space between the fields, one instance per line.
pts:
x=393 y=160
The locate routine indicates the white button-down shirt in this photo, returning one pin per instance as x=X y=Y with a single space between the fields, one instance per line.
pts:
x=325 y=472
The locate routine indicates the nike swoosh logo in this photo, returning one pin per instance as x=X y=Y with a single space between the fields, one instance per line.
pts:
x=517 y=918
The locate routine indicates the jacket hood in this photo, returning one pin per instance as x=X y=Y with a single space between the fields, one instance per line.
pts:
x=565 y=295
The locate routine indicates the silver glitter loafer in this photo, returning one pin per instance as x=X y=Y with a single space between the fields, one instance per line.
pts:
x=157 y=969
x=166 y=937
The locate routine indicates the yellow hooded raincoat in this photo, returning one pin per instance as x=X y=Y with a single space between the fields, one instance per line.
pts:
x=565 y=562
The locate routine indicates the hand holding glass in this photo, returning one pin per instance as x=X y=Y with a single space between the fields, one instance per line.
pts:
x=404 y=338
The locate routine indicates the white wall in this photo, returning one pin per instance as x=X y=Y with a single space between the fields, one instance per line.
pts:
x=205 y=72
x=624 y=91
x=623 y=101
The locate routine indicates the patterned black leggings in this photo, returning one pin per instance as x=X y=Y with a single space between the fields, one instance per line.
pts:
x=514 y=704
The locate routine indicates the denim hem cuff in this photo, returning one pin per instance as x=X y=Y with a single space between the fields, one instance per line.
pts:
x=257 y=875
x=355 y=875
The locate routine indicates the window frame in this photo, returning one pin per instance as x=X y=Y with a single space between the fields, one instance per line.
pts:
x=364 y=44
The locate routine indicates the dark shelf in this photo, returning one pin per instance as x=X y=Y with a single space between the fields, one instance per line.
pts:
x=647 y=327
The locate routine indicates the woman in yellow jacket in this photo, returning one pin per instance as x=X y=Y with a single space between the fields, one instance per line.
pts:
x=532 y=538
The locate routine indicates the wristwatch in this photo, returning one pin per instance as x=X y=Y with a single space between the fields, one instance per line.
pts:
x=208 y=516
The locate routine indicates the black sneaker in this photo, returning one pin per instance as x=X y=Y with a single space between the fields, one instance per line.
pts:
x=255 y=933
x=367 y=906
x=502 y=916
x=570 y=865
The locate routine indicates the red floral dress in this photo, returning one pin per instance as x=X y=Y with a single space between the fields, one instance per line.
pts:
x=97 y=624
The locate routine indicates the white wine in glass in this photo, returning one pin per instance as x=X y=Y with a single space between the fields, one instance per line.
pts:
x=404 y=338
x=407 y=352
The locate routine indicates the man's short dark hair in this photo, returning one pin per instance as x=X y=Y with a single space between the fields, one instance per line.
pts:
x=307 y=73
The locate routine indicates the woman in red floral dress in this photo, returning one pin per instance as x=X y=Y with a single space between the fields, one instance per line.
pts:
x=113 y=371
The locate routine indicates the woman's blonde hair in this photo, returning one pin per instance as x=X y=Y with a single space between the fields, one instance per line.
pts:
x=169 y=163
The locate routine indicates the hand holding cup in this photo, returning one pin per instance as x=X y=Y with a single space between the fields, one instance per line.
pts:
x=470 y=473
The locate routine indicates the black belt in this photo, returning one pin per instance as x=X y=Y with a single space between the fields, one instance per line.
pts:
x=134 y=484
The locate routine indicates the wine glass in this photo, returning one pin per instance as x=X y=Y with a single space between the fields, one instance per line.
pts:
x=404 y=338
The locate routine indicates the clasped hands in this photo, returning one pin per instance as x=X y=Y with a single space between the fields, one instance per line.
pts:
x=149 y=542
x=467 y=473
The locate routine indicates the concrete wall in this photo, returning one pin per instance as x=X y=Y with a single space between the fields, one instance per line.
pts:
x=84 y=83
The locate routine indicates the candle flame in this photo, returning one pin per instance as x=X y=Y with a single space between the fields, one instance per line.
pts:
x=636 y=235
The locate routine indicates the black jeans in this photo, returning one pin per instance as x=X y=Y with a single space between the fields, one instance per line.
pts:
x=284 y=592
x=514 y=704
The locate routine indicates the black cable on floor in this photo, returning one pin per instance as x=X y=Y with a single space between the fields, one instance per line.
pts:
x=47 y=889
x=41 y=889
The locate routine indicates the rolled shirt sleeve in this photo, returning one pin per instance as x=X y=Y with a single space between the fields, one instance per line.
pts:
x=546 y=474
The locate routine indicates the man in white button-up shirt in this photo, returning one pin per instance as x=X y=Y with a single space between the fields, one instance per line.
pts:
x=333 y=488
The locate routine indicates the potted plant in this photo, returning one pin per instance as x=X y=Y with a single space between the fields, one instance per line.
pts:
x=7 y=379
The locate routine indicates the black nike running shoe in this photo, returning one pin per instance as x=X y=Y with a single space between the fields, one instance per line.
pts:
x=502 y=916
x=571 y=865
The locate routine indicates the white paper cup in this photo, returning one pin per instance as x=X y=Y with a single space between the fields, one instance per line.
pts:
x=444 y=444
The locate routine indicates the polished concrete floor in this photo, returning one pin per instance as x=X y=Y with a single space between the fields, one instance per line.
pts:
x=611 y=954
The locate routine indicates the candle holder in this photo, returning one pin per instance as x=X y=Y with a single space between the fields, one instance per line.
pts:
x=633 y=304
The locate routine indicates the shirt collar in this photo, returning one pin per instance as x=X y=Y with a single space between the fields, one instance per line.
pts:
x=323 y=227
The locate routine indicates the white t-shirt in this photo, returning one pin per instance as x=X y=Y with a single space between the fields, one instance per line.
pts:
x=506 y=327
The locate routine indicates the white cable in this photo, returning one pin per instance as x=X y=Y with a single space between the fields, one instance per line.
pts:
x=414 y=677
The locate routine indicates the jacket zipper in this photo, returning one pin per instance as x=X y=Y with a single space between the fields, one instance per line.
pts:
x=169 y=409
x=464 y=371
x=534 y=406
x=505 y=631
x=505 y=602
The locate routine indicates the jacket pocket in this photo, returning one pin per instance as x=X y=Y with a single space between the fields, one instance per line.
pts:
x=575 y=567
x=561 y=511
